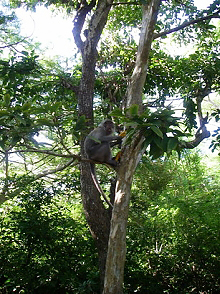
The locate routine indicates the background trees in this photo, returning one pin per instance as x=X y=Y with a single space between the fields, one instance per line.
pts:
x=172 y=237
x=41 y=98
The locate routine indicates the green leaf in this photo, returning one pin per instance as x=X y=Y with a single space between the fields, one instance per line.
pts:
x=159 y=142
x=178 y=133
x=7 y=100
x=134 y=110
x=172 y=144
x=2 y=144
x=54 y=107
x=80 y=124
x=25 y=53
x=157 y=131
x=147 y=141
x=26 y=105
x=130 y=134
x=44 y=121
x=155 y=151
x=75 y=137
x=117 y=112
x=15 y=139
x=132 y=124
x=20 y=119
x=4 y=114
x=94 y=139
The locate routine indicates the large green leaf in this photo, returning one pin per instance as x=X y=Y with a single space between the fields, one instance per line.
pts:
x=172 y=143
x=157 y=131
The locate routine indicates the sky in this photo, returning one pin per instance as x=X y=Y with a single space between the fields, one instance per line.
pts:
x=54 y=31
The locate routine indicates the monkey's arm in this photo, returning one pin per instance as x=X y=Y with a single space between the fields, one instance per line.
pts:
x=115 y=142
x=101 y=139
x=110 y=139
x=119 y=140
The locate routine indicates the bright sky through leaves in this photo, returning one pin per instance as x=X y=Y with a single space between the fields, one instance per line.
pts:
x=54 y=31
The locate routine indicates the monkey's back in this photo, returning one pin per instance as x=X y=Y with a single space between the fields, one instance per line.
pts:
x=93 y=139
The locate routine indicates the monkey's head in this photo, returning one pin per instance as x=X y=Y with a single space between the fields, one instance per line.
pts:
x=108 y=125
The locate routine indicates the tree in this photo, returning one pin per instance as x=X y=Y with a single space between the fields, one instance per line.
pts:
x=144 y=128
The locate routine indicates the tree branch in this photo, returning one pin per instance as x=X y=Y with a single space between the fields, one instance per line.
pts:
x=55 y=170
x=15 y=43
x=138 y=78
x=79 y=21
x=5 y=194
x=68 y=85
x=126 y=3
x=187 y=23
x=46 y=152
x=202 y=133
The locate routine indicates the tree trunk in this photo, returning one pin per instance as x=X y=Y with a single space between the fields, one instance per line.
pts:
x=97 y=216
x=114 y=275
x=135 y=87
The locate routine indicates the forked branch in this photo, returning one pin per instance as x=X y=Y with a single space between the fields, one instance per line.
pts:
x=202 y=132
x=79 y=21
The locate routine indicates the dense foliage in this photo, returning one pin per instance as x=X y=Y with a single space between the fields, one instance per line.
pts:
x=45 y=245
x=173 y=232
x=173 y=235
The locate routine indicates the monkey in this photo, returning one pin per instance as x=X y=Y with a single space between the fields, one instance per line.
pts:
x=97 y=147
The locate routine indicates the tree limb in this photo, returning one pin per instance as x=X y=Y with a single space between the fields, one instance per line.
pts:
x=15 y=43
x=79 y=21
x=202 y=133
x=55 y=170
x=46 y=152
x=137 y=80
x=68 y=85
x=187 y=23
x=6 y=194
x=126 y=3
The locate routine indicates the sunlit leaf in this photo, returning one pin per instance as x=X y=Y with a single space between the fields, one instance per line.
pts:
x=117 y=112
x=133 y=110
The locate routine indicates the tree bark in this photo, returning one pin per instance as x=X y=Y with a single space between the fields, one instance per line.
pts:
x=97 y=216
x=135 y=87
x=114 y=275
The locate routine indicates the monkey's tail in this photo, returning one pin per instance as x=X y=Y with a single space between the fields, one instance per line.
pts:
x=98 y=187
